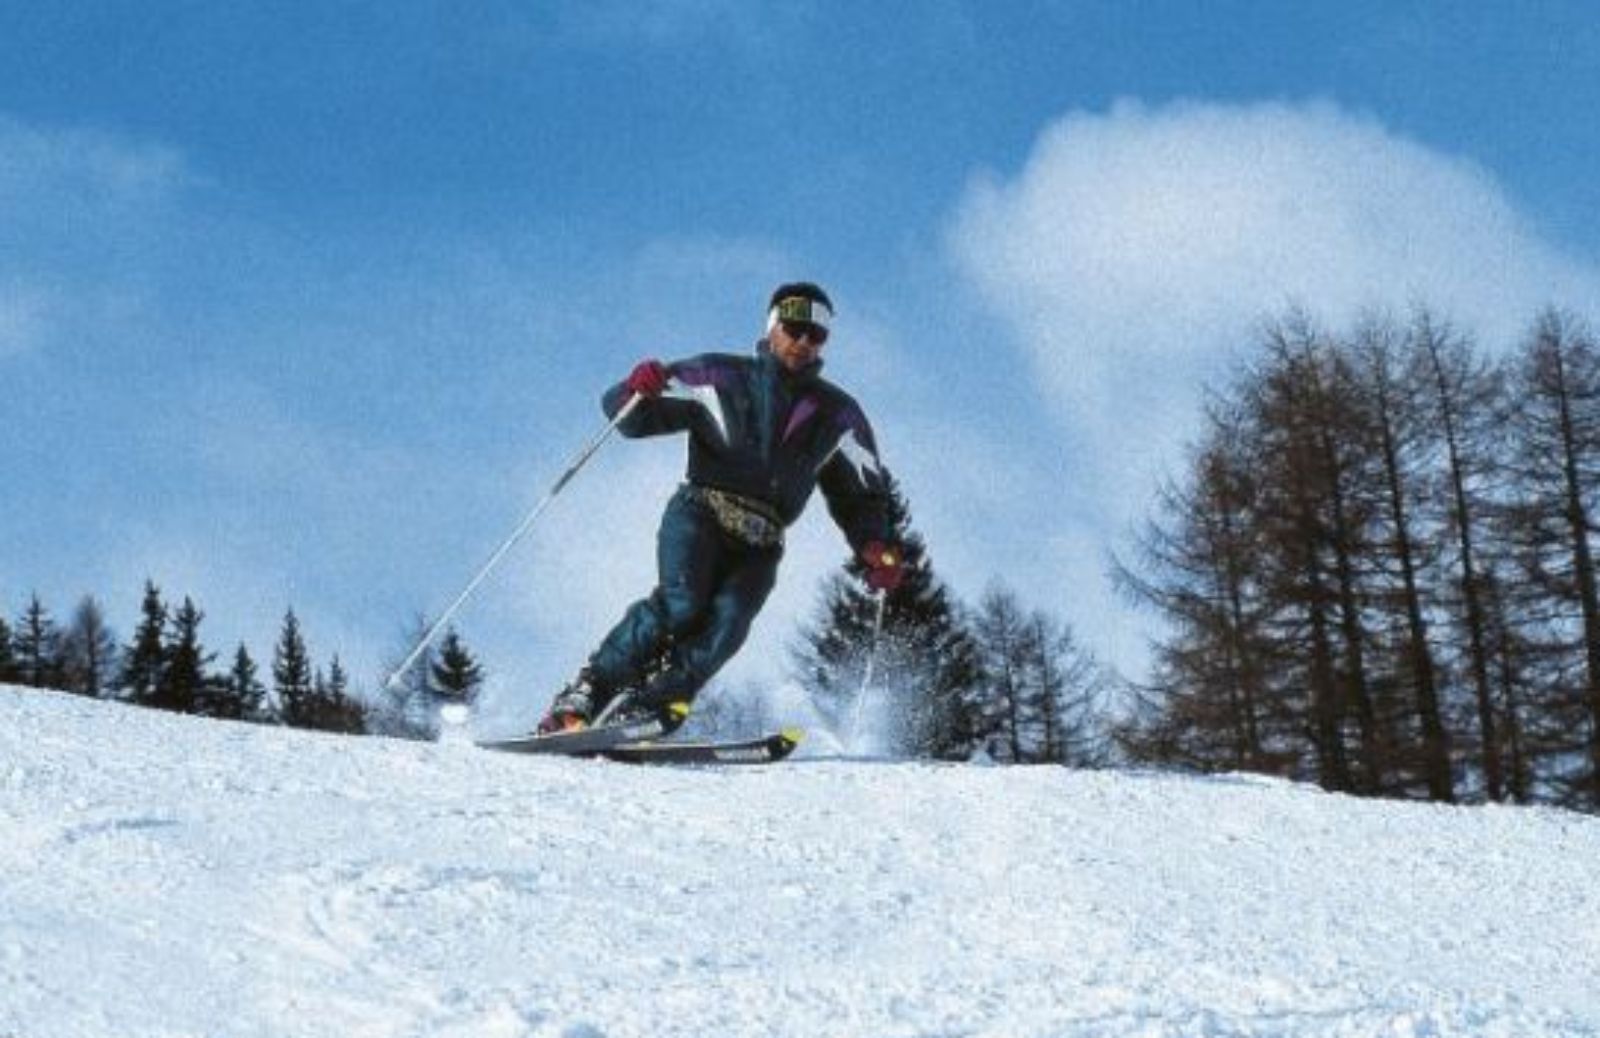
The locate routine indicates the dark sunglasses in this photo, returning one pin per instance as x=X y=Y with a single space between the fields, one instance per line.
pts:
x=805 y=330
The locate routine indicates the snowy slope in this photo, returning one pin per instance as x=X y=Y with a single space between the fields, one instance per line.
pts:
x=171 y=876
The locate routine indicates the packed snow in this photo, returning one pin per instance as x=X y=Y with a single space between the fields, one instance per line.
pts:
x=171 y=876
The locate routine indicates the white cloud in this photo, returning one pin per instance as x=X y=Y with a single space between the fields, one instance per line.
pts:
x=1137 y=248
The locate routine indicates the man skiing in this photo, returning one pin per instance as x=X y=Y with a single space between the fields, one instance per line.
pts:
x=764 y=431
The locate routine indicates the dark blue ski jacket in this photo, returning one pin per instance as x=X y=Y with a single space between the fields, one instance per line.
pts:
x=770 y=435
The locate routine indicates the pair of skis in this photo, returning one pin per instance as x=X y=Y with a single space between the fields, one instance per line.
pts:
x=642 y=741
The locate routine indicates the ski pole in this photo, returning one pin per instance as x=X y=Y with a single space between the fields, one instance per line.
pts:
x=872 y=659
x=516 y=535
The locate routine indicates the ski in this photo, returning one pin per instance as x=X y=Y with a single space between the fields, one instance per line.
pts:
x=589 y=742
x=766 y=749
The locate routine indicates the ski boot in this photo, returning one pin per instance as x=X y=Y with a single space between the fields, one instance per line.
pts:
x=574 y=707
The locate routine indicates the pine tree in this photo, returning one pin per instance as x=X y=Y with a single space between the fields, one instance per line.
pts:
x=89 y=650
x=8 y=659
x=244 y=696
x=456 y=675
x=38 y=648
x=339 y=710
x=144 y=660
x=925 y=664
x=184 y=687
x=292 y=677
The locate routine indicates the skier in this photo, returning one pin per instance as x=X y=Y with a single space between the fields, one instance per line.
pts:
x=764 y=430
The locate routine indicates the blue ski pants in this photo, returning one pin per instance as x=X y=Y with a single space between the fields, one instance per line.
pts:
x=710 y=588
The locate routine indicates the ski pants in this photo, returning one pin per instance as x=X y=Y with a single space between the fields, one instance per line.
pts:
x=710 y=588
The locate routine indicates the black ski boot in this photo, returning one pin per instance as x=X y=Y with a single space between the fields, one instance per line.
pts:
x=575 y=706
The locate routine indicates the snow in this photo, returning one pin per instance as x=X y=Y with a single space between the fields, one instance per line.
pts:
x=170 y=876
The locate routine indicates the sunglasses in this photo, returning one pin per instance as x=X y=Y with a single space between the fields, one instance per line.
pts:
x=805 y=330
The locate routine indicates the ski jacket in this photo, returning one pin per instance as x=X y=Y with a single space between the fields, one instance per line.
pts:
x=770 y=435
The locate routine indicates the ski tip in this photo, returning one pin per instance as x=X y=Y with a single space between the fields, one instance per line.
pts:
x=792 y=736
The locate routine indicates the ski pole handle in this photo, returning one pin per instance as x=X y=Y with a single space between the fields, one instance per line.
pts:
x=516 y=535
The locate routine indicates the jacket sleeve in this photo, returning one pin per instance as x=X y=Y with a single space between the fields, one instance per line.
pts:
x=659 y=417
x=855 y=483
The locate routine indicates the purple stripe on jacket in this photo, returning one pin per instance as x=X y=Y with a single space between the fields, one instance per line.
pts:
x=799 y=416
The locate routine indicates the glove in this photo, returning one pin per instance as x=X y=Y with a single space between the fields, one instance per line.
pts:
x=885 y=566
x=649 y=378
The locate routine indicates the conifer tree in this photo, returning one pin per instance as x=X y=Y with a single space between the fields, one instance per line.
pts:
x=456 y=675
x=244 y=697
x=292 y=677
x=339 y=710
x=1001 y=632
x=1071 y=687
x=8 y=659
x=1555 y=470
x=89 y=650
x=144 y=661
x=184 y=687
x=37 y=646
x=1466 y=400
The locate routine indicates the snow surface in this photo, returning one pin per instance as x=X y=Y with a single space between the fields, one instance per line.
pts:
x=170 y=876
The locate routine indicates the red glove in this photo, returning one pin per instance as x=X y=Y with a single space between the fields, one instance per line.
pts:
x=649 y=378
x=886 y=566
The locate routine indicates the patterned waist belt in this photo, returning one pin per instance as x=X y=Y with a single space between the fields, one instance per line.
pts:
x=752 y=522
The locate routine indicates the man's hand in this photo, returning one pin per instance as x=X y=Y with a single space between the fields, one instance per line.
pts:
x=649 y=378
x=885 y=565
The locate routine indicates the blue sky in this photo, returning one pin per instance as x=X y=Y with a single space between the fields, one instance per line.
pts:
x=307 y=304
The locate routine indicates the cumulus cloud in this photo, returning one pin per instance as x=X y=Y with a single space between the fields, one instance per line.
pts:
x=1137 y=248
x=1136 y=251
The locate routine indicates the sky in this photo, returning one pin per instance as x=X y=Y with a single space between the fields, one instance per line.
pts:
x=308 y=304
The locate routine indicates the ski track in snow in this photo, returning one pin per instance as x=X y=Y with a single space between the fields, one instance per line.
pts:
x=168 y=876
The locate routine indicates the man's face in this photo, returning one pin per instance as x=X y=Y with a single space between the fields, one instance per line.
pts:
x=796 y=344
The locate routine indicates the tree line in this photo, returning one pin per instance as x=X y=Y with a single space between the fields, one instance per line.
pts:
x=1000 y=680
x=1376 y=566
x=165 y=665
